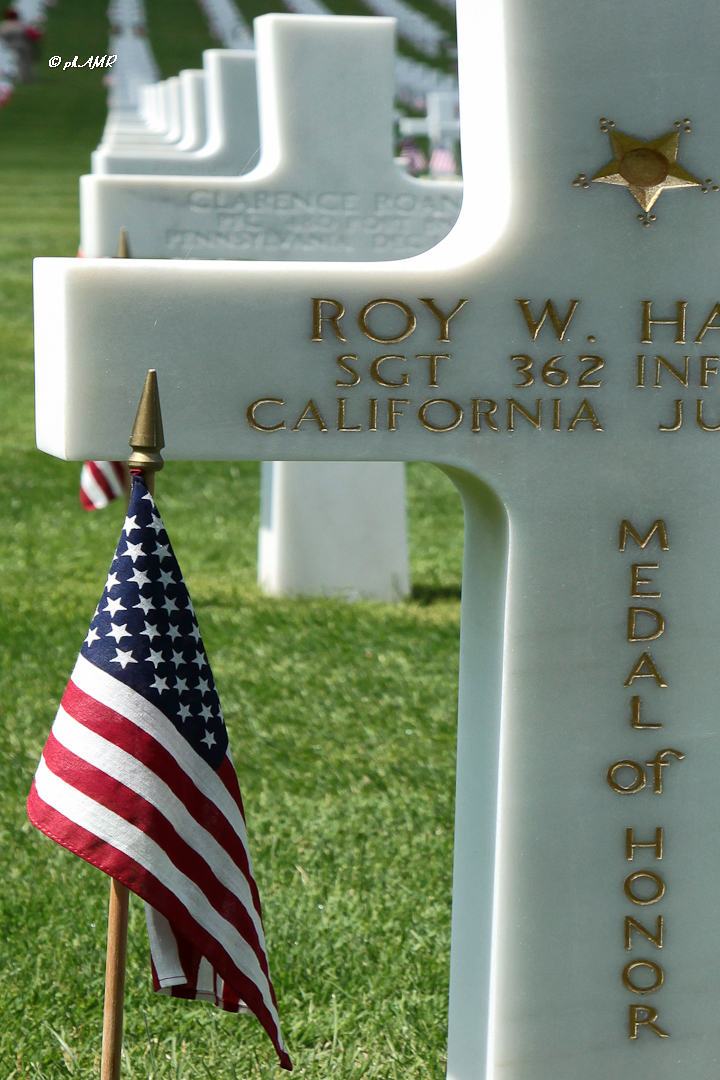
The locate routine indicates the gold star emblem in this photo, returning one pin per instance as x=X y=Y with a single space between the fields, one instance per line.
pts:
x=645 y=168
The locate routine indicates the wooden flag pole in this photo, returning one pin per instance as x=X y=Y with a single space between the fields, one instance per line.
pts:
x=147 y=441
x=114 y=981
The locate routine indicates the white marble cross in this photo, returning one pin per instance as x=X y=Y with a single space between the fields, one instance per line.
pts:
x=557 y=355
x=326 y=185
x=441 y=122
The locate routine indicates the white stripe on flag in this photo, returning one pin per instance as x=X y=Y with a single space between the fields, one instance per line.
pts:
x=206 y=978
x=132 y=773
x=123 y=699
x=107 y=468
x=137 y=845
x=92 y=489
x=163 y=948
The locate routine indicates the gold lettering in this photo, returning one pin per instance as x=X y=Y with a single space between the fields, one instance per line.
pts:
x=373 y=414
x=513 y=405
x=658 y=764
x=678 y=418
x=341 y=417
x=636 y=581
x=422 y=414
x=632 y=633
x=552 y=375
x=626 y=529
x=632 y=924
x=705 y=368
x=549 y=309
x=644 y=875
x=433 y=359
x=444 y=320
x=636 y=785
x=700 y=421
x=633 y=966
x=319 y=318
x=660 y=361
x=597 y=365
x=631 y=843
x=640 y=371
x=585 y=412
x=678 y=322
x=650 y=1016
x=350 y=371
x=523 y=363
x=635 y=716
x=488 y=413
x=311 y=412
x=644 y=668
x=556 y=414
x=252 y=409
x=393 y=412
x=410 y=321
x=707 y=325
x=375 y=371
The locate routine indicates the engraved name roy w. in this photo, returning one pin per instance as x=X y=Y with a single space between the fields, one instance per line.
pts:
x=587 y=795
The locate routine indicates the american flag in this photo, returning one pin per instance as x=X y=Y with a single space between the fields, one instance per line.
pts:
x=442 y=162
x=101 y=482
x=416 y=160
x=136 y=778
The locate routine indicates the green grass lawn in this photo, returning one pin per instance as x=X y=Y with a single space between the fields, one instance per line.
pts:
x=341 y=716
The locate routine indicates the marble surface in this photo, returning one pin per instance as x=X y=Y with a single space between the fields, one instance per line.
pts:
x=542 y=882
x=326 y=184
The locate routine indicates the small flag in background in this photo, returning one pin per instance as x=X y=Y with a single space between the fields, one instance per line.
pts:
x=136 y=778
x=101 y=482
x=442 y=162
x=413 y=155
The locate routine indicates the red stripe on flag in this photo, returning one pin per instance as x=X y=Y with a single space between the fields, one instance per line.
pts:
x=126 y=803
x=141 y=881
x=120 y=731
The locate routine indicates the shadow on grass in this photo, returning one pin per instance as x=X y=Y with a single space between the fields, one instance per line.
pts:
x=428 y=594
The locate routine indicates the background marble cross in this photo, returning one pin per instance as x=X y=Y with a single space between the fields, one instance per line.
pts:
x=326 y=184
x=595 y=642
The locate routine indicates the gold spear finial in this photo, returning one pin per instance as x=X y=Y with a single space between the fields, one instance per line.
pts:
x=123 y=245
x=147 y=439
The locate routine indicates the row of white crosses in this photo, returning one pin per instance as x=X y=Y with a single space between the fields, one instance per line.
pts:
x=585 y=940
x=135 y=66
x=414 y=79
x=228 y=24
x=325 y=528
x=199 y=123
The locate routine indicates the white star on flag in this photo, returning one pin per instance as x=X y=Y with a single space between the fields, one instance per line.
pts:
x=123 y=658
x=113 y=606
x=134 y=551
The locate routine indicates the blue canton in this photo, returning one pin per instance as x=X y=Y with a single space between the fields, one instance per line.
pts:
x=144 y=632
